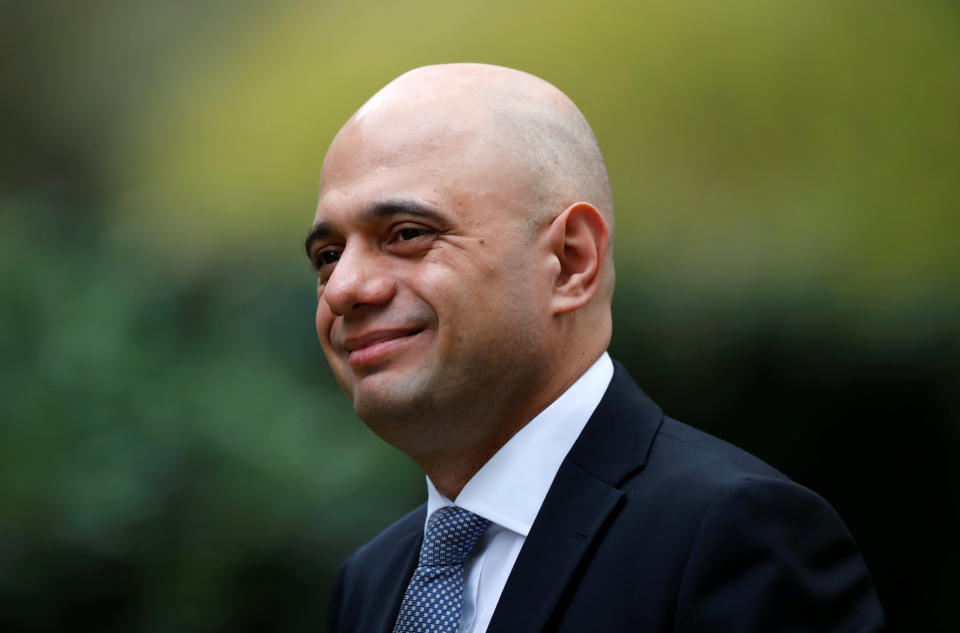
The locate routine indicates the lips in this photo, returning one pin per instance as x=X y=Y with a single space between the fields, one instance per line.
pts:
x=371 y=347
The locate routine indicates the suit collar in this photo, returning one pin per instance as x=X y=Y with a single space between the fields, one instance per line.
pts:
x=617 y=439
x=582 y=499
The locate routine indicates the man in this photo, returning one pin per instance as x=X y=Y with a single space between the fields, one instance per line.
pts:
x=462 y=243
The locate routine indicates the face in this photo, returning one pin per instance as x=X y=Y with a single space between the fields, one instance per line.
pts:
x=433 y=290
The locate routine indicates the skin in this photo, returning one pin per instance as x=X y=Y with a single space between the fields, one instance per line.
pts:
x=461 y=243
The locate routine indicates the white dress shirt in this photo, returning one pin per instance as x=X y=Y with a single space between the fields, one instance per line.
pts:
x=511 y=487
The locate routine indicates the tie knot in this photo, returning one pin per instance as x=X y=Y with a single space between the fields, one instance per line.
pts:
x=452 y=533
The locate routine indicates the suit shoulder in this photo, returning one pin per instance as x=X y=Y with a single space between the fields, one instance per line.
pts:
x=771 y=536
x=629 y=434
x=686 y=468
x=701 y=452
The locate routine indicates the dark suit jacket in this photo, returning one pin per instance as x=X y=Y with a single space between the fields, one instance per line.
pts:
x=649 y=526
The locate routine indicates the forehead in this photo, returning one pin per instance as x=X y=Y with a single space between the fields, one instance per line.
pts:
x=444 y=165
x=399 y=138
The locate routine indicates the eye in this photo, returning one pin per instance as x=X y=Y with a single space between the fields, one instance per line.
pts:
x=328 y=256
x=407 y=233
x=325 y=258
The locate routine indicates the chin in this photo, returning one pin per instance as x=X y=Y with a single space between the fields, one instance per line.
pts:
x=382 y=400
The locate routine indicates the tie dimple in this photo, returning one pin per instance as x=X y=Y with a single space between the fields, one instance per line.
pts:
x=434 y=596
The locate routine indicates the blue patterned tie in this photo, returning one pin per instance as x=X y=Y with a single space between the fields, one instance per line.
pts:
x=435 y=594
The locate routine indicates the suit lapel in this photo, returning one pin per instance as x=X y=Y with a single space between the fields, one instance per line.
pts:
x=557 y=543
x=394 y=576
x=582 y=499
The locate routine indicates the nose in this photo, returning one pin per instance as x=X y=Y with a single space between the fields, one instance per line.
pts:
x=360 y=279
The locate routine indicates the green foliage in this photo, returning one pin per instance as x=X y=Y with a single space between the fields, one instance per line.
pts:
x=181 y=428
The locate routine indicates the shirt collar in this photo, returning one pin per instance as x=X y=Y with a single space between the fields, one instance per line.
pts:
x=510 y=488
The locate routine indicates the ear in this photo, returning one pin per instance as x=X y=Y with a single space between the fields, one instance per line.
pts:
x=578 y=239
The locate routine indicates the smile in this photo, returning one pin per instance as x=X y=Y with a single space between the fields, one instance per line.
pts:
x=373 y=347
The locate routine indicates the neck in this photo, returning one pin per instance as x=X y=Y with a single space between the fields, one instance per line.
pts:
x=451 y=466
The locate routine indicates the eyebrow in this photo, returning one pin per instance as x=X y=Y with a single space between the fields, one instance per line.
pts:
x=377 y=211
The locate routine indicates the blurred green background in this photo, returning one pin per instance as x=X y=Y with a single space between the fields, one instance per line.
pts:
x=174 y=454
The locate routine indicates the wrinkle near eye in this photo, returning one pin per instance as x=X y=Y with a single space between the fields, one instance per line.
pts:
x=458 y=251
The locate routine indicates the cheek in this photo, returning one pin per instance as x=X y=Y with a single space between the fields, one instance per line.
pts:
x=456 y=297
x=320 y=320
x=341 y=370
x=323 y=322
x=474 y=290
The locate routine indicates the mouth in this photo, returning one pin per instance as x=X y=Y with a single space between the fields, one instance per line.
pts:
x=372 y=347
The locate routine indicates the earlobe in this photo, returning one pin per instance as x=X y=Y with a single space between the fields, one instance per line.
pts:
x=579 y=242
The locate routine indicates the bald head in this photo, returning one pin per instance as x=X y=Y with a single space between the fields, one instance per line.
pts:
x=544 y=146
